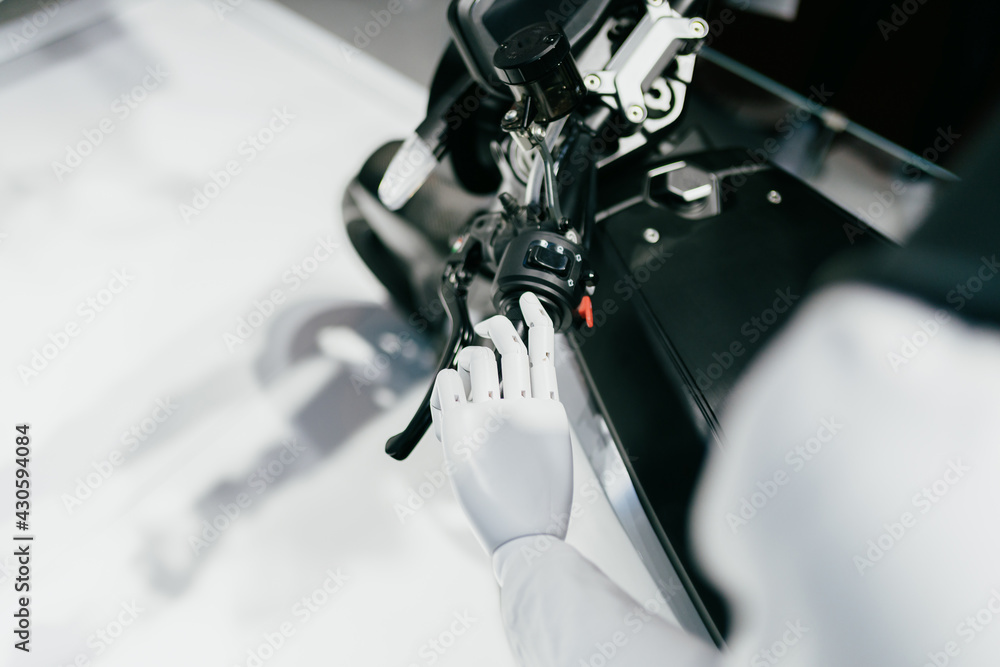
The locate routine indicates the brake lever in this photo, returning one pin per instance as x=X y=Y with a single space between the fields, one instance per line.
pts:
x=454 y=292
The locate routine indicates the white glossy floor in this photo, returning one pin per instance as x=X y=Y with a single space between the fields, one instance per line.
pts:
x=151 y=412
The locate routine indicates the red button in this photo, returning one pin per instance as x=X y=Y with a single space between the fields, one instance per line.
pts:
x=586 y=311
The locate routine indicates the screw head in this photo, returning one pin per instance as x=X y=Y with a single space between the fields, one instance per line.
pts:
x=774 y=197
x=511 y=115
x=698 y=28
x=636 y=113
x=579 y=258
x=593 y=82
x=651 y=235
x=570 y=282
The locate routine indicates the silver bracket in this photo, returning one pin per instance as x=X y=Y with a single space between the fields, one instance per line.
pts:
x=631 y=72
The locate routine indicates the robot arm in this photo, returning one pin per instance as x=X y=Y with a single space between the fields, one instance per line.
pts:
x=559 y=609
x=510 y=460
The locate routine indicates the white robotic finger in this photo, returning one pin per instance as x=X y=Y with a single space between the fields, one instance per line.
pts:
x=448 y=393
x=463 y=362
x=449 y=390
x=479 y=365
x=436 y=413
x=513 y=355
x=541 y=347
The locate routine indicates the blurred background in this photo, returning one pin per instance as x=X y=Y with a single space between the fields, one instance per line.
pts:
x=208 y=370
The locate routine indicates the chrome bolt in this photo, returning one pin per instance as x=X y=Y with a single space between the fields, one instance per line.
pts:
x=698 y=28
x=579 y=258
x=651 y=235
x=570 y=282
x=636 y=113
x=593 y=82
x=511 y=115
x=690 y=184
x=774 y=197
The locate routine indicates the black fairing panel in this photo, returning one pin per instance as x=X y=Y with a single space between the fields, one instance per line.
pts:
x=677 y=322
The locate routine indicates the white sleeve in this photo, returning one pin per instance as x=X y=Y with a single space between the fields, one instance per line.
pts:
x=559 y=610
x=852 y=517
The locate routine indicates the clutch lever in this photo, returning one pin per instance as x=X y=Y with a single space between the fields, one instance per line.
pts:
x=458 y=275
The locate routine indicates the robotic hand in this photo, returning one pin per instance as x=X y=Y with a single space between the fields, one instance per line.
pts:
x=511 y=465
x=510 y=457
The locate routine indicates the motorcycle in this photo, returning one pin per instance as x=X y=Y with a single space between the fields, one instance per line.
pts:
x=560 y=155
